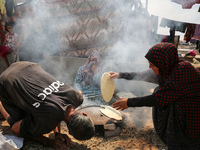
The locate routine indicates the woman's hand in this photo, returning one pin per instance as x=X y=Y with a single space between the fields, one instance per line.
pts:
x=62 y=142
x=121 y=104
x=94 y=69
x=114 y=75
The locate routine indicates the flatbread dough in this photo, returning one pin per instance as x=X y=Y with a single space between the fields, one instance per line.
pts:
x=107 y=87
x=111 y=112
x=125 y=95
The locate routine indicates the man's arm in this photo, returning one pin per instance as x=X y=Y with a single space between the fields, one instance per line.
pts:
x=60 y=142
x=3 y=111
x=43 y=140
x=15 y=126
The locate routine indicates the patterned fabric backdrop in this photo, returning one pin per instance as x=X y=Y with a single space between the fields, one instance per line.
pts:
x=82 y=26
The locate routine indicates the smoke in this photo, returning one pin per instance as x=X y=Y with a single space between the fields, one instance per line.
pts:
x=133 y=39
x=125 y=29
x=127 y=54
x=42 y=32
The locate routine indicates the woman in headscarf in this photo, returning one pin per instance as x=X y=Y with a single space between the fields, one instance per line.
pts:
x=175 y=102
x=88 y=80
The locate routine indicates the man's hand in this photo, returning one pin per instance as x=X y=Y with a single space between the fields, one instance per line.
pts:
x=62 y=142
x=121 y=104
x=80 y=92
x=114 y=75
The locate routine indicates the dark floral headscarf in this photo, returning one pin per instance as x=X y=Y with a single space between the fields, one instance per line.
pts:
x=87 y=72
x=181 y=83
x=164 y=56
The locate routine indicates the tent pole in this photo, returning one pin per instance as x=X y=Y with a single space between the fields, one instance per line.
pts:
x=146 y=4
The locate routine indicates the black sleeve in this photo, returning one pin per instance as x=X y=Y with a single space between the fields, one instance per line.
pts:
x=141 y=101
x=148 y=76
x=10 y=121
x=127 y=75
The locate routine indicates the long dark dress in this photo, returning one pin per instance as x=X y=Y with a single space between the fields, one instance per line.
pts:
x=176 y=102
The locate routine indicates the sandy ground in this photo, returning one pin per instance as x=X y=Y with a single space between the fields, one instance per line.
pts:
x=137 y=133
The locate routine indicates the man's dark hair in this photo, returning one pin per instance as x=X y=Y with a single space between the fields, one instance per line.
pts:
x=80 y=126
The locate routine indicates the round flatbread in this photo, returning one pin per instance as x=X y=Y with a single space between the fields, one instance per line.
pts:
x=107 y=87
x=111 y=113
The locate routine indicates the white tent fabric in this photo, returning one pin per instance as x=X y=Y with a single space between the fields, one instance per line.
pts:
x=170 y=10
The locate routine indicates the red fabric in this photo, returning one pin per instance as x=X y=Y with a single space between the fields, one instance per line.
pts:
x=192 y=53
x=186 y=4
x=4 y=50
x=2 y=34
x=190 y=32
x=164 y=38
x=197 y=32
x=181 y=84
